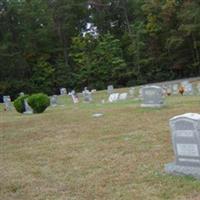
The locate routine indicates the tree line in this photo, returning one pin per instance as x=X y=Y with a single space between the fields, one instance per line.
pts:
x=48 y=44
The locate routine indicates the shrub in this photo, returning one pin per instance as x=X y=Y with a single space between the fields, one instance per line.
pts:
x=39 y=102
x=19 y=103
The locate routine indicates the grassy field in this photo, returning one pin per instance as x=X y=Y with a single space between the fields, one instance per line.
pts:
x=66 y=154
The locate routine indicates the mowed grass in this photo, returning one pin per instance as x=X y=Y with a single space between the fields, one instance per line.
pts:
x=66 y=154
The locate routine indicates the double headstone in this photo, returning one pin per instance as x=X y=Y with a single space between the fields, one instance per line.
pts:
x=185 y=131
x=152 y=96
x=7 y=103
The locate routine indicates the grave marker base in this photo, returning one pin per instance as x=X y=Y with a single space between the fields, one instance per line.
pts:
x=177 y=170
x=151 y=105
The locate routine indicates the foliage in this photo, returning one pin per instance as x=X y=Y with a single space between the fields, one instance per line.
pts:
x=19 y=103
x=44 y=45
x=39 y=102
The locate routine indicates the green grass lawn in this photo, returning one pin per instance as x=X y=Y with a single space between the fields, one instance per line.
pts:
x=66 y=154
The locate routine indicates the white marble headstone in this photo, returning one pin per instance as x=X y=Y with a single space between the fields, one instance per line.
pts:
x=113 y=97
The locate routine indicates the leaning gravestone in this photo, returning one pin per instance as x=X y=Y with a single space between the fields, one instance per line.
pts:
x=87 y=97
x=152 y=96
x=185 y=130
x=54 y=100
x=123 y=96
x=110 y=89
x=28 y=109
x=63 y=91
x=113 y=97
x=7 y=103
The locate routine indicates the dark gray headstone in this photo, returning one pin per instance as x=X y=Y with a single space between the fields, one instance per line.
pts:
x=152 y=96
x=185 y=130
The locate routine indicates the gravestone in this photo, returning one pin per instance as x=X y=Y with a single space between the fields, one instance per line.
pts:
x=113 y=97
x=87 y=97
x=63 y=91
x=74 y=96
x=131 y=92
x=28 y=109
x=175 y=89
x=188 y=89
x=123 y=96
x=198 y=88
x=110 y=89
x=54 y=100
x=7 y=103
x=152 y=96
x=21 y=94
x=185 y=131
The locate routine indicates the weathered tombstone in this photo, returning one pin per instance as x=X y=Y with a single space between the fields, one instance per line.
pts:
x=63 y=91
x=131 y=92
x=93 y=90
x=87 y=95
x=7 y=103
x=113 y=97
x=123 y=96
x=110 y=89
x=152 y=96
x=28 y=109
x=185 y=130
x=175 y=89
x=54 y=100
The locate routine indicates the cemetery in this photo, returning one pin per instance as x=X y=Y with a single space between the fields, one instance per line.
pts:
x=82 y=147
x=99 y=100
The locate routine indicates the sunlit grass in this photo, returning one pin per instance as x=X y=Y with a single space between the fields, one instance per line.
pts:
x=65 y=153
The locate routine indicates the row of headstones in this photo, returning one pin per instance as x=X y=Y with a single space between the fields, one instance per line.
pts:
x=8 y=105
